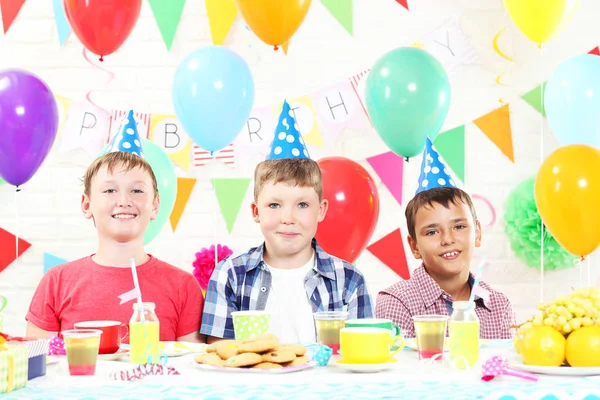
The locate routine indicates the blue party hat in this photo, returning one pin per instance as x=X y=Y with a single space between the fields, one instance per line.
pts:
x=288 y=142
x=127 y=138
x=434 y=172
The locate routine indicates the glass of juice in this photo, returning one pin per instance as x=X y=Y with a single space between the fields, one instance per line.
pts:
x=82 y=347
x=144 y=335
x=430 y=334
x=328 y=324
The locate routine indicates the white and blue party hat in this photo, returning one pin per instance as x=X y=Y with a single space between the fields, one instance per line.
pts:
x=434 y=172
x=288 y=142
x=127 y=138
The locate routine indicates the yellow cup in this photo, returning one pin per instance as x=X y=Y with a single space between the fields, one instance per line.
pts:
x=368 y=345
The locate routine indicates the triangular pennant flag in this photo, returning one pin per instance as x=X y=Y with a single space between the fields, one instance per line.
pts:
x=8 y=246
x=10 y=10
x=62 y=24
x=403 y=3
x=184 y=190
x=221 y=16
x=285 y=47
x=167 y=15
x=342 y=11
x=534 y=98
x=451 y=145
x=496 y=126
x=390 y=251
x=51 y=261
x=230 y=194
x=389 y=167
x=595 y=51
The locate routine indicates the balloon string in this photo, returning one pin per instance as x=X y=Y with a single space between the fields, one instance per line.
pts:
x=110 y=74
x=541 y=162
x=215 y=205
x=17 y=227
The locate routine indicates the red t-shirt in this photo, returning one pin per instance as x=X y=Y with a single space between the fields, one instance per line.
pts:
x=85 y=291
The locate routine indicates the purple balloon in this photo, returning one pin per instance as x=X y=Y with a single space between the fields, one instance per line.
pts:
x=28 y=124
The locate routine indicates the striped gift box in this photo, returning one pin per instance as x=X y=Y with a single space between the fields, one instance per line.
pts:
x=14 y=366
x=36 y=353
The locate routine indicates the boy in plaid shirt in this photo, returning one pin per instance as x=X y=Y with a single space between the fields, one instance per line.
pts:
x=289 y=275
x=443 y=232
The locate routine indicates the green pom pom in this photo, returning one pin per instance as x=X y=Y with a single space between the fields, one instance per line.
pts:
x=523 y=228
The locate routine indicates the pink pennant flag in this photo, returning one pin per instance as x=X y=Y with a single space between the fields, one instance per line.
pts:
x=128 y=296
x=389 y=167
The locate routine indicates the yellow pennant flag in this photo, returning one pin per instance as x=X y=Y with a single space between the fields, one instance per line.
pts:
x=221 y=15
x=184 y=190
x=496 y=126
x=63 y=105
x=285 y=47
x=306 y=118
x=167 y=132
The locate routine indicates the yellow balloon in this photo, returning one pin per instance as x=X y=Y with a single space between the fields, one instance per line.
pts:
x=273 y=21
x=567 y=194
x=537 y=19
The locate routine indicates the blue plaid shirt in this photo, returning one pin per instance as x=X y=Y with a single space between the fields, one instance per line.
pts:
x=243 y=283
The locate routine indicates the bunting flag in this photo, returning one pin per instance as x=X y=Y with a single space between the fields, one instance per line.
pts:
x=8 y=246
x=62 y=24
x=496 y=126
x=221 y=16
x=595 y=51
x=342 y=11
x=403 y=3
x=167 y=15
x=390 y=251
x=166 y=131
x=303 y=112
x=451 y=145
x=389 y=167
x=10 y=10
x=230 y=194
x=534 y=98
x=51 y=261
x=184 y=190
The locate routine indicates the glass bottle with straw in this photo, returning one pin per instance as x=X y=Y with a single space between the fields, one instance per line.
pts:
x=144 y=328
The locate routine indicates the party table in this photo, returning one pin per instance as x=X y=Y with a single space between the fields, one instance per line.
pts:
x=408 y=378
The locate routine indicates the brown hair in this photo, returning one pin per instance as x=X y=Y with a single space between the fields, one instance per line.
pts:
x=302 y=172
x=128 y=161
x=441 y=195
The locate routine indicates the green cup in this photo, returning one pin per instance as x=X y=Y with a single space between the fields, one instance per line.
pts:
x=375 y=323
x=247 y=324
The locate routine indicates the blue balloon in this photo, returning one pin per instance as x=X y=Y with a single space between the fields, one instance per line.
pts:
x=213 y=94
x=572 y=101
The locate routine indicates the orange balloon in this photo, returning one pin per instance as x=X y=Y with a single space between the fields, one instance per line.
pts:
x=274 y=21
x=567 y=194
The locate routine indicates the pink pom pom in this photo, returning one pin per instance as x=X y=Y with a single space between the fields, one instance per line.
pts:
x=205 y=263
x=56 y=346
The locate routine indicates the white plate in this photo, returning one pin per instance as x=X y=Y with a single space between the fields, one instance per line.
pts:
x=365 y=367
x=176 y=349
x=516 y=363
x=284 y=370
x=119 y=355
x=412 y=343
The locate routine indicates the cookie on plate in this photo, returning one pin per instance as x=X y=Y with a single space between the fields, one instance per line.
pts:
x=267 y=365
x=244 y=360
x=298 y=361
x=295 y=348
x=279 y=357
x=209 y=359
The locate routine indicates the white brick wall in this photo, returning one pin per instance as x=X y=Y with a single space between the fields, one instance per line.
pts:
x=46 y=212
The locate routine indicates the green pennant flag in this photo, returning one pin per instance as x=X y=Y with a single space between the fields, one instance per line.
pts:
x=342 y=11
x=230 y=194
x=534 y=98
x=167 y=14
x=451 y=145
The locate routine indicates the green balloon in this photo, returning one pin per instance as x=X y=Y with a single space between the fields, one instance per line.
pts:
x=407 y=95
x=167 y=186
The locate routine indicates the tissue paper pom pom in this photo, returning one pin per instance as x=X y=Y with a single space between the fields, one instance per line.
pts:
x=205 y=263
x=523 y=228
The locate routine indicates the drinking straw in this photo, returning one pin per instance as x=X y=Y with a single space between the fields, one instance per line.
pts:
x=476 y=282
x=136 y=286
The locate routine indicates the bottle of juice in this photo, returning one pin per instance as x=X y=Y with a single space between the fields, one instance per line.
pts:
x=463 y=329
x=144 y=336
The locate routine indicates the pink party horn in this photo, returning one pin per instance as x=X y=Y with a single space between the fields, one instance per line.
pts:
x=499 y=366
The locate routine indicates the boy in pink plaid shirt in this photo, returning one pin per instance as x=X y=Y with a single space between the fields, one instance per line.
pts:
x=443 y=232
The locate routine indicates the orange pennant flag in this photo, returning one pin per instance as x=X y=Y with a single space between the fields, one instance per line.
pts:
x=496 y=126
x=184 y=190
x=221 y=16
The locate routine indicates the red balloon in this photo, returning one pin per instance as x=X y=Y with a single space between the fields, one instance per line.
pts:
x=102 y=25
x=353 y=208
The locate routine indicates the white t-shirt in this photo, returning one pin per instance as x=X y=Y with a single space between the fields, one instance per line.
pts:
x=291 y=312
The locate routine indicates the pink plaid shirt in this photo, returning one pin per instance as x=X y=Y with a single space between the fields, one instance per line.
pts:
x=421 y=295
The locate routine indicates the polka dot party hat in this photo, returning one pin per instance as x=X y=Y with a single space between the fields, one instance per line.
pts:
x=288 y=142
x=127 y=138
x=434 y=172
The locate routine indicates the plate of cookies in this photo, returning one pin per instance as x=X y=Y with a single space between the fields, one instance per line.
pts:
x=263 y=354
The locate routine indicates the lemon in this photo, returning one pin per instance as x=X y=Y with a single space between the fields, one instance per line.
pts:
x=583 y=347
x=544 y=346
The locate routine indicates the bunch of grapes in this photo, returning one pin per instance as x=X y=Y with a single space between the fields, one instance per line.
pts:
x=567 y=313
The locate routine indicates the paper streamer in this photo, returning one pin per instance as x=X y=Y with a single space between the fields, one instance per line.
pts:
x=497 y=49
x=490 y=207
x=110 y=74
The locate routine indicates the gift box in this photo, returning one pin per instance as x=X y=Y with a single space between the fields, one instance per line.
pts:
x=14 y=364
x=37 y=350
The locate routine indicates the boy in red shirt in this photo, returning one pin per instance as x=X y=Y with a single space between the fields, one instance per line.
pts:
x=121 y=197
